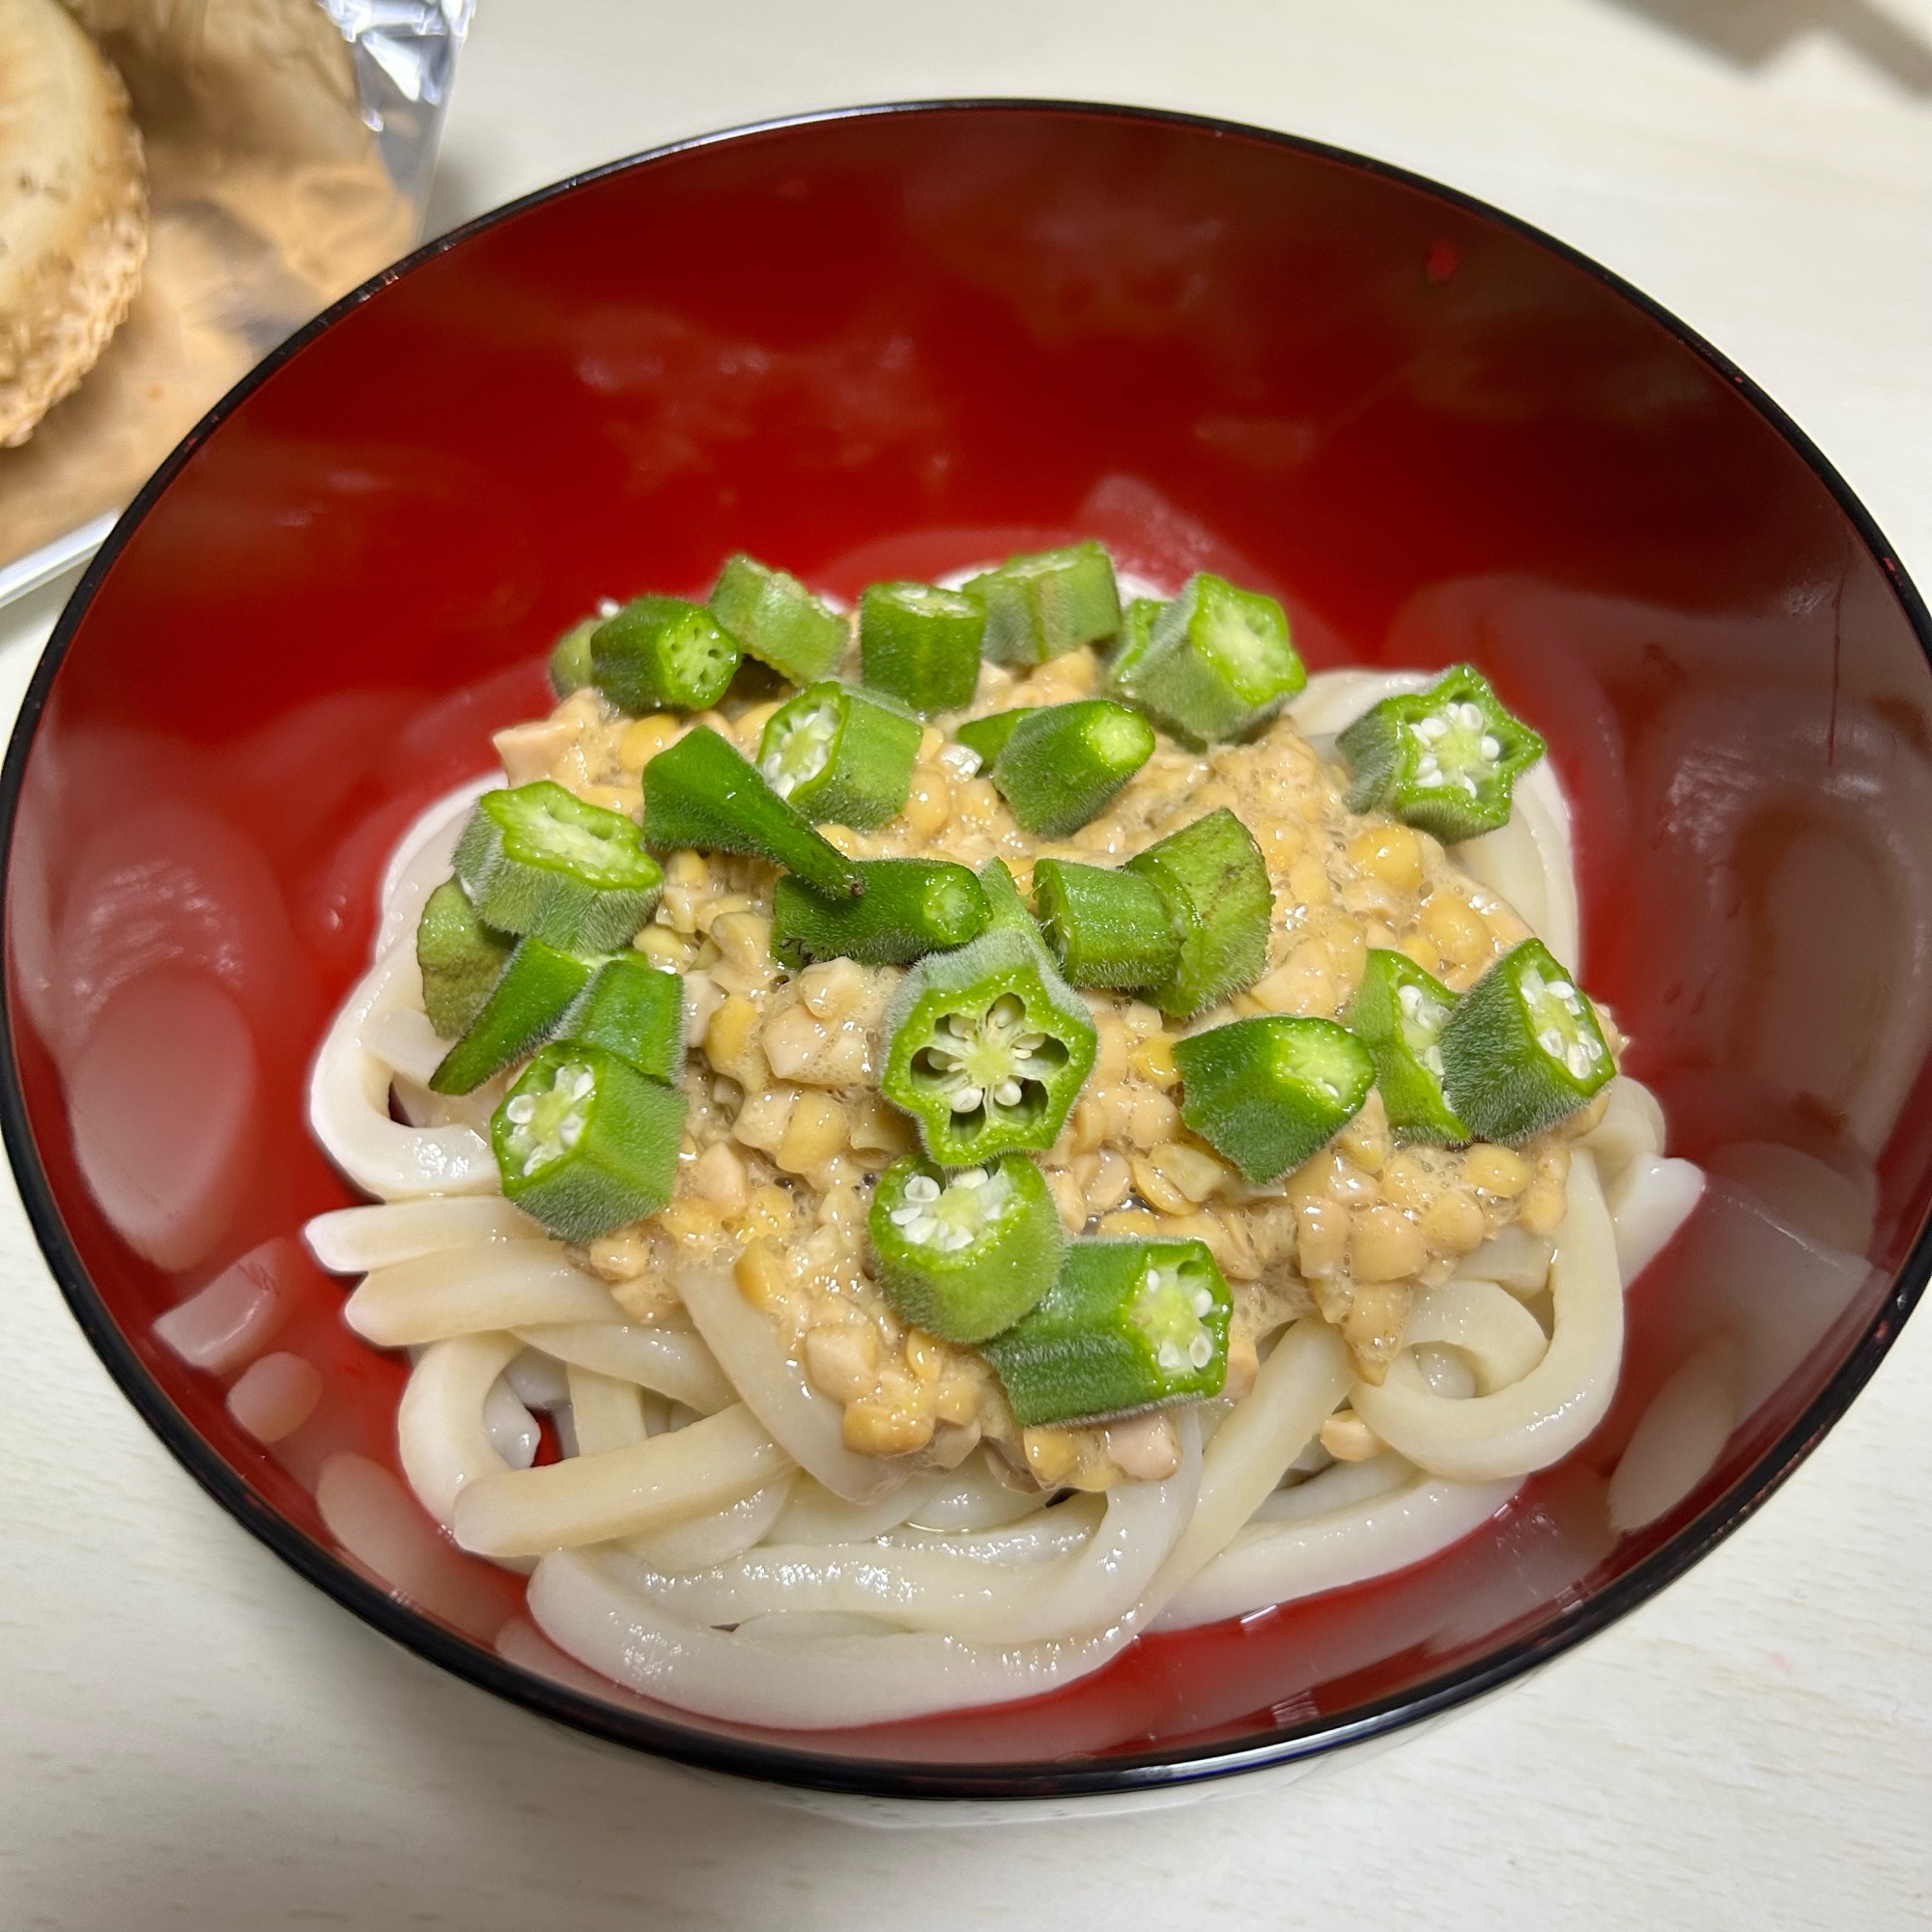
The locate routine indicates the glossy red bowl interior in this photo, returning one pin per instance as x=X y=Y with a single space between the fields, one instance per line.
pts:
x=885 y=343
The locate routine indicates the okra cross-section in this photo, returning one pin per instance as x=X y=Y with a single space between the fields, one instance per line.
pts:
x=662 y=654
x=1126 y=1326
x=1398 y=1013
x=920 y=644
x=460 y=957
x=1213 y=880
x=911 y=907
x=1522 y=1050
x=842 y=756
x=587 y=1143
x=964 y=1255
x=1266 y=1094
x=778 y=621
x=1444 y=759
x=540 y=861
x=701 y=796
x=1106 y=928
x=1215 y=663
x=1041 y=606
x=987 y=1048
x=536 y=987
x=1061 y=763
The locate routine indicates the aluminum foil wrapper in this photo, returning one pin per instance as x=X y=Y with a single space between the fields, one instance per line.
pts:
x=289 y=145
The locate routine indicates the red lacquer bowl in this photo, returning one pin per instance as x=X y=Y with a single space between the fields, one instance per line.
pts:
x=889 y=343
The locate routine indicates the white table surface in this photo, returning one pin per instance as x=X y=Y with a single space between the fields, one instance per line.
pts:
x=193 y=1737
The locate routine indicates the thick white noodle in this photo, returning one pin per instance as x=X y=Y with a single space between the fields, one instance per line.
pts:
x=1341 y=1486
x=1649 y=1201
x=1512 y=1258
x=1833 y=1209
x=814 y=1515
x=349 y=1103
x=668 y=1360
x=972 y=1497
x=808 y=1424
x=1678 y=1439
x=1536 y=1421
x=421 y=859
x=353 y=1240
x=1502 y=1340
x=666 y=1479
x=460 y=1290
x=511 y=1426
x=1633 y=1125
x=439 y=1427
x=604 y=1413
x=1331 y=700
x=406 y=1044
x=706 y=1541
x=1069 y=1525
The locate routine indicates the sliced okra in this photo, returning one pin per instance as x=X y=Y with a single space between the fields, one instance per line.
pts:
x=570 y=667
x=911 y=907
x=778 y=621
x=662 y=654
x=965 y=1255
x=1446 y=759
x=920 y=644
x=988 y=1048
x=1215 y=663
x=525 y=1006
x=636 y=1010
x=986 y=737
x=1126 y=1326
x=1006 y=909
x=1061 y=763
x=842 y=756
x=586 y=1143
x=1041 y=606
x=1397 y=1013
x=1266 y=1094
x=1214 y=882
x=1522 y=1049
x=1105 y=929
x=701 y=796
x=460 y=957
x=538 y=860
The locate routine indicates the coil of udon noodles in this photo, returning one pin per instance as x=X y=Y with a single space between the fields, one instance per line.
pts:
x=715 y=1542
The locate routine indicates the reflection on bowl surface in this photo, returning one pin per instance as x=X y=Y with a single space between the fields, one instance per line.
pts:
x=889 y=345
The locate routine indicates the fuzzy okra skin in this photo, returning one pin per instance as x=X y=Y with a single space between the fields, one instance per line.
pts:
x=662 y=654
x=586 y=1143
x=537 y=860
x=1266 y=1094
x=987 y=1048
x=1105 y=929
x=460 y=957
x=570 y=667
x=964 y=1255
x=1041 y=606
x=1215 y=663
x=1397 y=1013
x=636 y=1010
x=920 y=644
x=1214 y=882
x=701 y=796
x=842 y=756
x=911 y=907
x=1126 y=1326
x=1446 y=759
x=1522 y=1049
x=538 y=985
x=778 y=621
x=1061 y=763
x=1006 y=910
x=986 y=737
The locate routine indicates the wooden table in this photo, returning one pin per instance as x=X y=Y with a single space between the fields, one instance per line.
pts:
x=194 y=1738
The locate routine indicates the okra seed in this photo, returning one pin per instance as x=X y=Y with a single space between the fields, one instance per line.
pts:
x=922 y=1187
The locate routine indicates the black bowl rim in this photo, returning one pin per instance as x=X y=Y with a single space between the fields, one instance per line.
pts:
x=887 y=1779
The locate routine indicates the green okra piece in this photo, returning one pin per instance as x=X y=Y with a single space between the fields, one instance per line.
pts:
x=920 y=644
x=1522 y=1049
x=1006 y=909
x=964 y=1255
x=1446 y=759
x=1105 y=929
x=538 y=860
x=986 y=737
x=570 y=667
x=1126 y=1326
x=460 y=957
x=1061 y=763
x=778 y=621
x=525 y=1006
x=911 y=907
x=586 y=1143
x=987 y=1048
x=701 y=796
x=1266 y=1094
x=662 y=654
x=1214 y=882
x=1397 y=1013
x=1041 y=606
x=1215 y=663
x=636 y=1010
x=842 y=756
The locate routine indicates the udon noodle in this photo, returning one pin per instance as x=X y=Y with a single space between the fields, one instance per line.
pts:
x=717 y=1536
